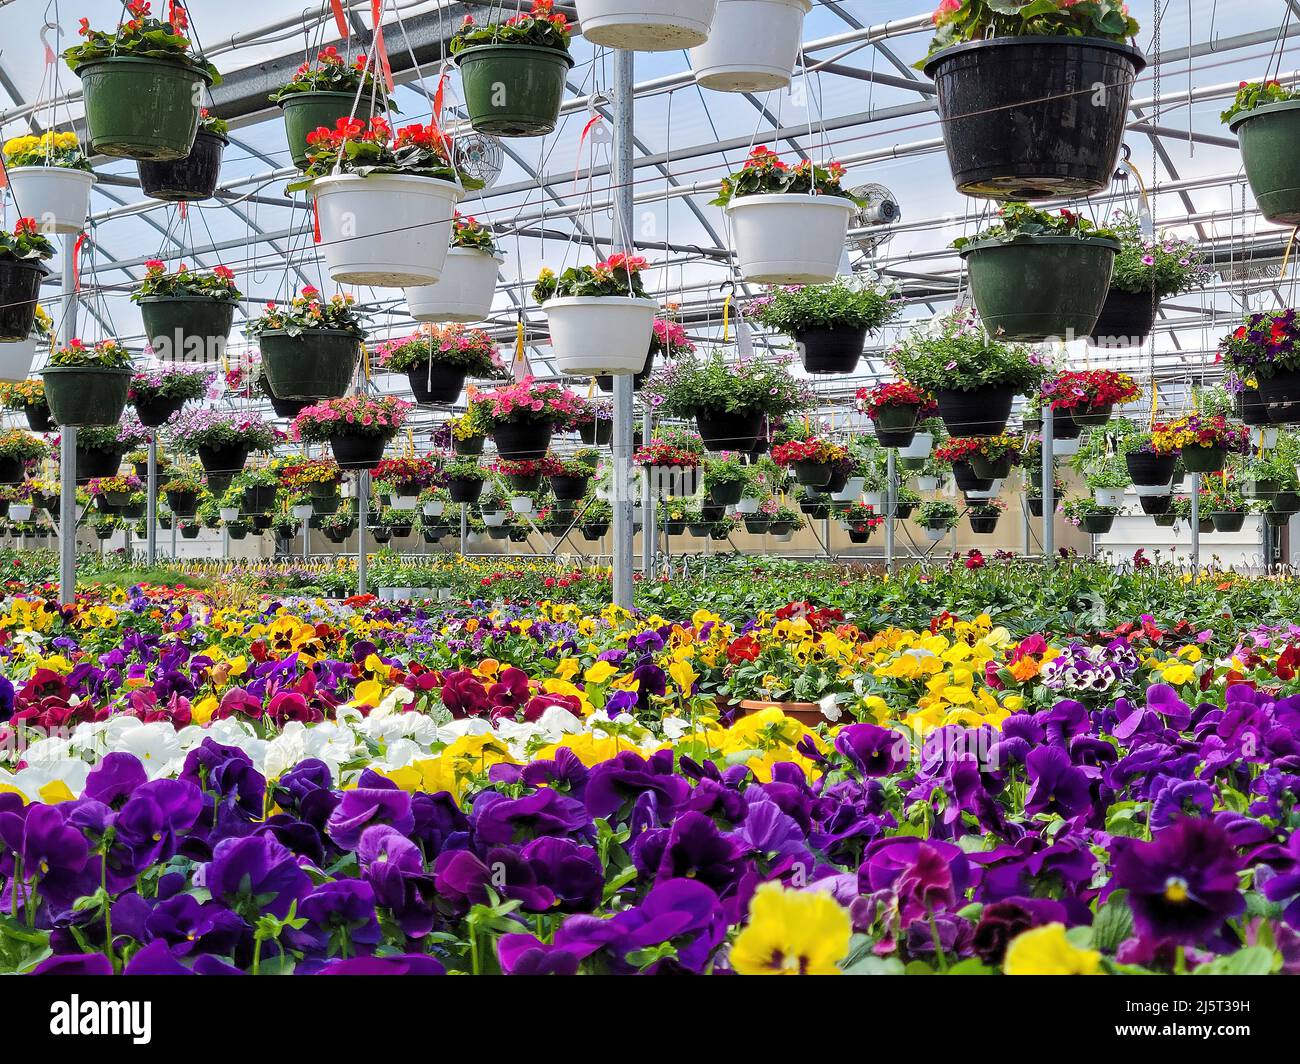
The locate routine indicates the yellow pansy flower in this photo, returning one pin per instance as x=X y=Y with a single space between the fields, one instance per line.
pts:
x=792 y=932
x=1046 y=951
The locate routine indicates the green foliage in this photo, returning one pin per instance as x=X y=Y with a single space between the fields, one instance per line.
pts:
x=846 y=303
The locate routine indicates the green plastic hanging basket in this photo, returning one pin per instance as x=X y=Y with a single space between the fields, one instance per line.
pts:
x=140 y=108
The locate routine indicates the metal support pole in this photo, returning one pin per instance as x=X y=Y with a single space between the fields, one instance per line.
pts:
x=363 y=520
x=151 y=505
x=891 y=505
x=1196 y=525
x=68 y=447
x=464 y=529
x=650 y=524
x=1049 y=487
x=622 y=442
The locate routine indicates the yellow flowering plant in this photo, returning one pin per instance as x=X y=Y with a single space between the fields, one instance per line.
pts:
x=48 y=149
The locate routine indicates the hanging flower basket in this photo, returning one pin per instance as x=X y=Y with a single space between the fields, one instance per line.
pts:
x=469 y=446
x=723 y=430
x=1126 y=319
x=1267 y=135
x=358 y=428
x=311 y=364
x=1150 y=470
x=983 y=525
x=522 y=441
x=1204 y=459
x=789 y=238
x=1022 y=117
x=59 y=196
x=977 y=412
x=16 y=358
x=222 y=461
x=189 y=179
x=513 y=90
x=600 y=334
x=1251 y=407
x=968 y=480
x=1096 y=524
x=95 y=462
x=142 y=108
x=1040 y=287
x=20 y=289
x=184 y=328
x=385 y=230
x=753 y=46
x=1228 y=521
x=646 y=25
x=86 y=395
x=465 y=291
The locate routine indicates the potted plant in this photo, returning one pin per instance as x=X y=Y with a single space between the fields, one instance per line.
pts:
x=1150 y=460
x=187 y=314
x=183 y=491
x=1089 y=396
x=408 y=476
x=321 y=92
x=672 y=463
x=141 y=84
x=829 y=322
x=193 y=177
x=983 y=515
x=28 y=397
x=994 y=456
x=513 y=71
x=437 y=359
x=1089 y=515
x=730 y=401
x=913 y=456
x=725 y=478
x=1265 y=349
x=1038 y=276
x=22 y=256
x=310 y=347
x=895 y=409
x=959 y=452
x=1264 y=116
x=601 y=320
x=87 y=384
x=238 y=529
x=811 y=459
x=1146 y=271
x=258 y=487
x=50 y=178
x=646 y=25
x=1228 y=509
x=973 y=377
x=522 y=416
x=464 y=479
x=905 y=502
x=468 y=284
x=570 y=477
x=468 y=431
x=492 y=506
x=358 y=428
x=753 y=45
x=99 y=451
x=668 y=339
x=595 y=423
x=1107 y=477
x=1202 y=442
x=860 y=521
x=937 y=518
x=158 y=395
x=1018 y=103
x=596 y=518
x=788 y=223
x=113 y=494
x=18 y=449
x=222 y=440
x=523 y=477
x=786 y=520
x=385 y=201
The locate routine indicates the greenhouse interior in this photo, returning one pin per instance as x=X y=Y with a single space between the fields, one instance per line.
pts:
x=650 y=487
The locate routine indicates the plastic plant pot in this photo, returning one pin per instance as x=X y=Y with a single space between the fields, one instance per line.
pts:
x=921 y=446
x=1021 y=117
x=753 y=45
x=1126 y=319
x=1108 y=496
x=1267 y=135
x=831 y=350
x=86 y=395
x=1149 y=470
x=468 y=447
x=16 y=358
x=187 y=328
x=1088 y=416
x=597 y=433
x=646 y=25
x=464 y=293
x=358 y=452
x=789 y=238
x=38 y=417
x=895 y=425
x=156 y=412
x=977 y=412
x=812 y=474
x=305 y=112
x=568 y=488
x=1281 y=396
x=1097 y=524
x=315 y=364
x=141 y=108
x=600 y=334
x=1156 y=504
x=20 y=289
x=525 y=441
x=968 y=480
x=723 y=430
x=464 y=489
x=183 y=503
x=850 y=490
x=58 y=197
x=1228 y=520
x=983 y=526
x=189 y=179
x=222 y=462
x=1251 y=407
x=727 y=493
x=1204 y=459
x=990 y=469
x=605 y=381
x=513 y=90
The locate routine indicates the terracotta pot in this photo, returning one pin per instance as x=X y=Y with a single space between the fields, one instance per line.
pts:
x=808 y=714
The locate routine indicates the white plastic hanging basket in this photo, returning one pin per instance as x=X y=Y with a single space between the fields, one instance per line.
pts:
x=851 y=490
x=748 y=506
x=494 y=518
x=927 y=483
x=16 y=360
x=385 y=230
x=1108 y=496
x=405 y=502
x=874 y=499
x=753 y=46
x=920 y=447
x=1152 y=490
x=1065 y=448
x=433 y=509
x=465 y=292
x=987 y=493
x=521 y=504
x=57 y=197
x=302 y=512
x=230 y=513
x=600 y=334
x=789 y=238
x=935 y=534
x=646 y=25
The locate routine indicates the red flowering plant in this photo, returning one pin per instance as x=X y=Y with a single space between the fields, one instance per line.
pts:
x=1198 y=430
x=813 y=451
x=618 y=275
x=957 y=21
x=860 y=518
x=895 y=394
x=1082 y=389
x=1252 y=94
x=764 y=174
x=331 y=72
x=664 y=453
x=217 y=283
x=548 y=466
x=669 y=339
x=25 y=243
x=1265 y=345
x=529 y=402
x=143 y=36
x=362 y=148
x=357 y=415
x=471 y=234
x=957 y=449
x=408 y=475
x=541 y=27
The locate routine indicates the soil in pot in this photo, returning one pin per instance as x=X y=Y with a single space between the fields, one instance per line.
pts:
x=1020 y=117
x=978 y=412
x=188 y=179
x=727 y=431
x=1126 y=319
x=435 y=382
x=522 y=441
x=834 y=350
